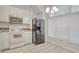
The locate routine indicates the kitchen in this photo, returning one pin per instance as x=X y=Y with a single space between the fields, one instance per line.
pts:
x=8 y=29
x=23 y=27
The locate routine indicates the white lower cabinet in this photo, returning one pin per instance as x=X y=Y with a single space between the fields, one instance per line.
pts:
x=4 y=40
x=0 y=42
x=27 y=36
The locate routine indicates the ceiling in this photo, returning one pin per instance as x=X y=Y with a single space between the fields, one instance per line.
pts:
x=63 y=9
x=36 y=8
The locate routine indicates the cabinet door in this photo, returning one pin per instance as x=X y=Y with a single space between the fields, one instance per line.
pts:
x=3 y=14
x=0 y=42
x=5 y=40
x=28 y=37
x=26 y=21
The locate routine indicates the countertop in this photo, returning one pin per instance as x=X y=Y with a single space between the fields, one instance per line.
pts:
x=7 y=29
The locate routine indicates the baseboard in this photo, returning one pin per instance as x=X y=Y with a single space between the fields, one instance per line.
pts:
x=66 y=40
x=27 y=43
x=4 y=49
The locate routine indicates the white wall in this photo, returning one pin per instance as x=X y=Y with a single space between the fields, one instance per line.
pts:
x=65 y=27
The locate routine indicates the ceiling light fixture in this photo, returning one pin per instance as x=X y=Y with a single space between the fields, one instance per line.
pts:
x=52 y=11
x=50 y=15
x=55 y=9
x=47 y=9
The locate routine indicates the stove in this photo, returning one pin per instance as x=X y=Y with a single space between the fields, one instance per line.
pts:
x=15 y=31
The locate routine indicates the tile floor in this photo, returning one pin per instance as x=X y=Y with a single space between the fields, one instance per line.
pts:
x=47 y=47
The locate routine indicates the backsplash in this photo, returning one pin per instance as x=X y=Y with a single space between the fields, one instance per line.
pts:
x=4 y=27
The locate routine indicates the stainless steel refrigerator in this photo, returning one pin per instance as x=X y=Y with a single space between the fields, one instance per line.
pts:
x=38 y=31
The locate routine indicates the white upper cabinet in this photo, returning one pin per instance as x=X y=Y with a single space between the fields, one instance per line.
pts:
x=25 y=14
x=3 y=19
x=26 y=21
x=3 y=14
